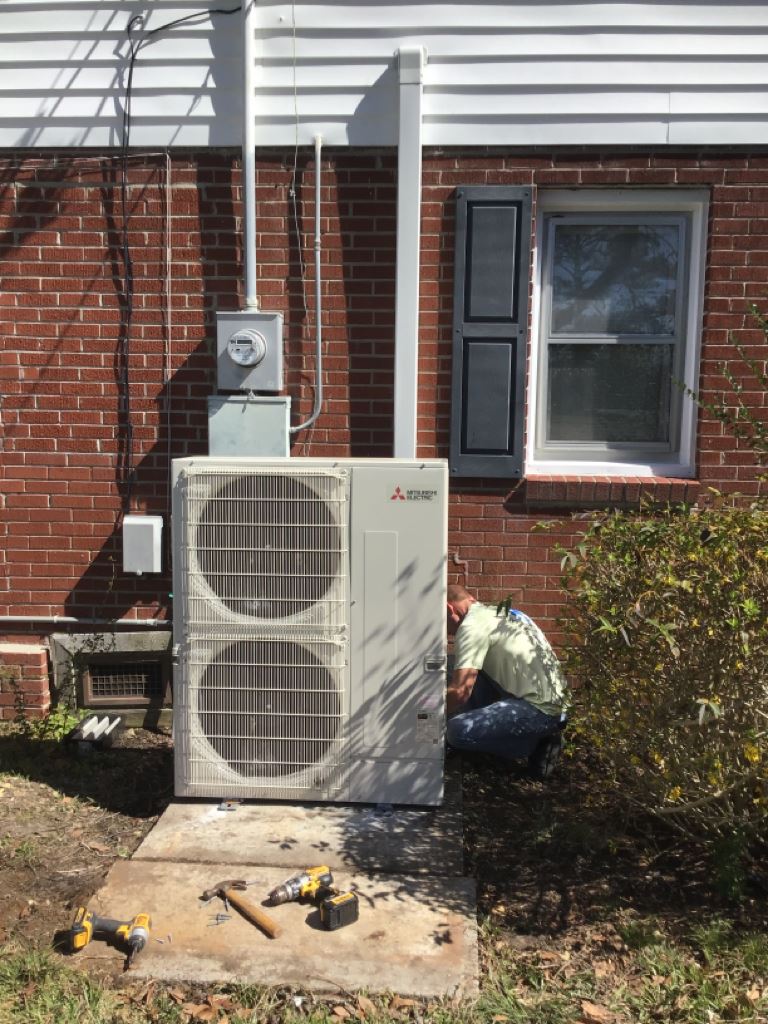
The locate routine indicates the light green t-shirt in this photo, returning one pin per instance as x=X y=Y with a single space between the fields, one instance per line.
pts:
x=514 y=653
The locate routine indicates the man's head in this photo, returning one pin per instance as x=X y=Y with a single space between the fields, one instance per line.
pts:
x=459 y=601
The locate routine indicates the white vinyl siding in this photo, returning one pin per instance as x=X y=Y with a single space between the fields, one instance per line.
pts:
x=510 y=74
x=618 y=325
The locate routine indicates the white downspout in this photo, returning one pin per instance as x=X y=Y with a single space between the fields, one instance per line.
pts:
x=411 y=61
x=249 y=155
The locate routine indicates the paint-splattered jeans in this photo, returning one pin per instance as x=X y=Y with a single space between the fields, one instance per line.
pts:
x=504 y=726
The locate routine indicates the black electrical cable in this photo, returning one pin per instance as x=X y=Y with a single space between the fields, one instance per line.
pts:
x=126 y=468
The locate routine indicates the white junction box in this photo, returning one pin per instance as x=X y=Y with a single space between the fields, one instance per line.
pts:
x=142 y=544
x=249 y=351
x=309 y=628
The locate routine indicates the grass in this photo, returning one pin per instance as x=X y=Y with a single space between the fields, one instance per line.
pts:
x=711 y=975
x=37 y=989
x=578 y=922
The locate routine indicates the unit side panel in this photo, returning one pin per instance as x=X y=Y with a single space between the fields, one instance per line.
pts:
x=398 y=541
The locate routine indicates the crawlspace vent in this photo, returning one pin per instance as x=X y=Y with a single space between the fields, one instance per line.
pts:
x=268 y=547
x=142 y=679
x=267 y=710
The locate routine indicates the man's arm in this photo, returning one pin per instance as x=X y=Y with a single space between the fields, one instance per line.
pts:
x=460 y=688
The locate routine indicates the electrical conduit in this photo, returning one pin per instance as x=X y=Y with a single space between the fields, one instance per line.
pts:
x=249 y=156
x=318 y=297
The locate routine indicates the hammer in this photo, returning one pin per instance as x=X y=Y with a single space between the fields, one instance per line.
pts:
x=226 y=890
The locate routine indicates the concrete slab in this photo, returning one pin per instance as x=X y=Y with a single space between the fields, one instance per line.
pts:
x=361 y=838
x=416 y=935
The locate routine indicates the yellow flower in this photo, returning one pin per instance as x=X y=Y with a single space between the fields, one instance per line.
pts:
x=752 y=753
x=674 y=794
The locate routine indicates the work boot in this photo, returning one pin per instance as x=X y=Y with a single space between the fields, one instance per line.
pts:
x=544 y=759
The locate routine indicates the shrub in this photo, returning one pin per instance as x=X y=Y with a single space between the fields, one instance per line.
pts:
x=667 y=633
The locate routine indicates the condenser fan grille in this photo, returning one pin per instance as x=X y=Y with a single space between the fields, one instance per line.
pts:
x=270 y=546
x=271 y=709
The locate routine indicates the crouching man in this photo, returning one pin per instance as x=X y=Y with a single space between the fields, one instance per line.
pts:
x=507 y=694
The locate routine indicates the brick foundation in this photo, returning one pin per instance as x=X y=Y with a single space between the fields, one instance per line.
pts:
x=24 y=681
x=76 y=451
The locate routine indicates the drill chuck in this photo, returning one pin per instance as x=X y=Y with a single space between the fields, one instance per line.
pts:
x=284 y=893
x=138 y=936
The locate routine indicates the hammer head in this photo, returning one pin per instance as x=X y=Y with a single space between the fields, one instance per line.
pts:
x=222 y=888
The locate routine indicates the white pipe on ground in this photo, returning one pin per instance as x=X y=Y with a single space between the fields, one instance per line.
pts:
x=411 y=62
x=73 y=620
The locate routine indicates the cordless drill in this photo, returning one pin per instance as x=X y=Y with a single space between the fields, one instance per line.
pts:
x=132 y=935
x=335 y=908
x=303 y=886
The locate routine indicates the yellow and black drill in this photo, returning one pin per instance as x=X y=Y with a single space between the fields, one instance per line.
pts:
x=316 y=884
x=131 y=935
x=304 y=886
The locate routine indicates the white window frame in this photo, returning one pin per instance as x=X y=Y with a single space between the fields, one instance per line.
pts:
x=646 y=202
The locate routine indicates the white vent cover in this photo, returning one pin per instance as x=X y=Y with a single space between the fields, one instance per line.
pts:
x=309 y=621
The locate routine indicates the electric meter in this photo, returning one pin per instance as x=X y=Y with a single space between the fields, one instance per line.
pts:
x=249 y=351
x=247 y=347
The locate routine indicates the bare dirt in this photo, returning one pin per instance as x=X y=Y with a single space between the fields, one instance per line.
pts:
x=65 y=818
x=553 y=880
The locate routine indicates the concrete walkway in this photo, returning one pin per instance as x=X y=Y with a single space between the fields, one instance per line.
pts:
x=416 y=934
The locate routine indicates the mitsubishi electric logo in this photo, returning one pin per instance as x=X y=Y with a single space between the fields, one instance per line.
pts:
x=413 y=494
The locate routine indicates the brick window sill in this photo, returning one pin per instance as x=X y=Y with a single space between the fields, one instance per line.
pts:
x=586 y=492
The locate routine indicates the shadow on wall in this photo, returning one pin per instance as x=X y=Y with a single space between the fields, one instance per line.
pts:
x=104 y=589
x=93 y=70
x=375 y=118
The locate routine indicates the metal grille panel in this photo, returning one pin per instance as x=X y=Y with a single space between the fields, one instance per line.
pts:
x=266 y=716
x=266 y=547
x=133 y=679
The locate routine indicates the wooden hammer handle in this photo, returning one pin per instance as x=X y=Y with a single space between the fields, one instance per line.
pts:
x=254 y=914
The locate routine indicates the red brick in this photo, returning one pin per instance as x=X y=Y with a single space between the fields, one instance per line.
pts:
x=70 y=372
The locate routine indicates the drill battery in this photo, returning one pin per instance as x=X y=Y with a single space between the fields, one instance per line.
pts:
x=338 y=909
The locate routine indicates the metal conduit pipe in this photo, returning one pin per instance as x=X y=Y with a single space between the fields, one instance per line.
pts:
x=72 y=620
x=318 y=297
x=249 y=157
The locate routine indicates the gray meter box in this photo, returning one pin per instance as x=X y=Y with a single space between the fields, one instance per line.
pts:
x=250 y=425
x=250 y=351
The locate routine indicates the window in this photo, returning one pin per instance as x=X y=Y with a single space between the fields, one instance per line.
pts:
x=620 y=289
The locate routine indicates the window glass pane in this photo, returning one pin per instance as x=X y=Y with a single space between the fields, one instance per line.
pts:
x=615 y=278
x=609 y=393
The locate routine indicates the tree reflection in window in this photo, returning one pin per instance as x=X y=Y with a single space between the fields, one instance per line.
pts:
x=616 y=279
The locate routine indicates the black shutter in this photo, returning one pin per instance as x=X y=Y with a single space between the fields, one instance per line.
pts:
x=490 y=327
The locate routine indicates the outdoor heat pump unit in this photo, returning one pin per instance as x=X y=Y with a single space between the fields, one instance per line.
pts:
x=309 y=629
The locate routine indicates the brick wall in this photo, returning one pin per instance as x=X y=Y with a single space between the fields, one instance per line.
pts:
x=75 y=452
x=24 y=683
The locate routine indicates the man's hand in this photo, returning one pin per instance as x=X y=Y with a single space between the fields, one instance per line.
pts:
x=460 y=688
